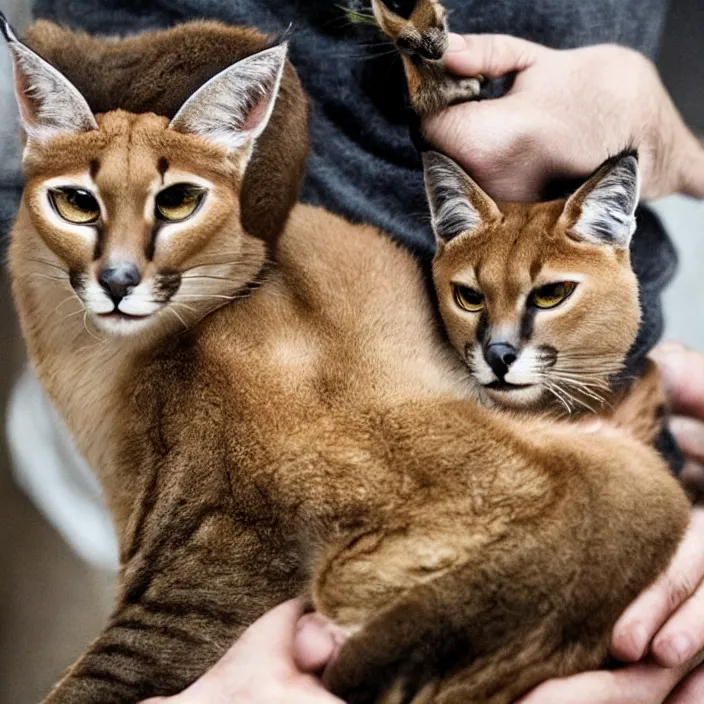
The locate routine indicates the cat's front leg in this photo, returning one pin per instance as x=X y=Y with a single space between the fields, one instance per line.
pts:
x=184 y=599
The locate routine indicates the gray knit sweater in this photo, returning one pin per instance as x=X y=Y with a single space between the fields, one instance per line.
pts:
x=363 y=164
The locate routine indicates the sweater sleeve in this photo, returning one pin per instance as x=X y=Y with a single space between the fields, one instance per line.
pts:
x=10 y=169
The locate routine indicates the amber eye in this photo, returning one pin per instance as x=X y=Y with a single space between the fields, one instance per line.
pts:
x=551 y=295
x=468 y=299
x=178 y=202
x=75 y=205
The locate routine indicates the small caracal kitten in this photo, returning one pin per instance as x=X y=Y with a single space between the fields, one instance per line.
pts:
x=540 y=300
x=269 y=420
x=418 y=29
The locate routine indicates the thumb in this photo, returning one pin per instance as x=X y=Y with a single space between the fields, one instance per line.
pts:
x=491 y=55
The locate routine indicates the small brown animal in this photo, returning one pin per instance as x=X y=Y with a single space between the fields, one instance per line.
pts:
x=314 y=433
x=539 y=300
x=418 y=28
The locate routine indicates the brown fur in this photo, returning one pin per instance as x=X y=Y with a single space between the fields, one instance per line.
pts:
x=523 y=248
x=422 y=41
x=319 y=431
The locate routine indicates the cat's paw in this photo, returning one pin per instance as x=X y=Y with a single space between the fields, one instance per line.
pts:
x=469 y=88
x=391 y=660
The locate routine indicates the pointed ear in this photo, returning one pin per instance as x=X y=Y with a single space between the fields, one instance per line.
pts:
x=389 y=22
x=49 y=103
x=603 y=210
x=233 y=108
x=457 y=204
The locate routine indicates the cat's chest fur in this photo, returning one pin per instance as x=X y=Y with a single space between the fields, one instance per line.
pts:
x=292 y=386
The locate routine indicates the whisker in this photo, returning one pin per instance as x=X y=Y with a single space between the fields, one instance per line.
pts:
x=556 y=393
x=49 y=276
x=66 y=300
x=85 y=325
x=212 y=278
x=46 y=263
x=183 y=322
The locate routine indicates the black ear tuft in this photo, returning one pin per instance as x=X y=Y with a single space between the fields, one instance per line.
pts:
x=457 y=204
x=5 y=28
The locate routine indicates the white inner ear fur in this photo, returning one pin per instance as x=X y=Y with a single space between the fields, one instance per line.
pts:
x=608 y=212
x=449 y=189
x=456 y=201
x=49 y=103
x=234 y=107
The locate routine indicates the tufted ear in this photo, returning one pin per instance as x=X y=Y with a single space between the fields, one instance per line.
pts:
x=457 y=204
x=49 y=103
x=233 y=108
x=603 y=210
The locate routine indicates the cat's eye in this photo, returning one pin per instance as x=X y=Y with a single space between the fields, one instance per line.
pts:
x=178 y=202
x=551 y=295
x=75 y=205
x=468 y=299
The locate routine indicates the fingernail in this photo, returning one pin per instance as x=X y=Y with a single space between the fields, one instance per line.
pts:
x=456 y=42
x=678 y=649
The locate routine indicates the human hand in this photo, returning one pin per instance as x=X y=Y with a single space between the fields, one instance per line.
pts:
x=683 y=373
x=261 y=668
x=664 y=627
x=565 y=114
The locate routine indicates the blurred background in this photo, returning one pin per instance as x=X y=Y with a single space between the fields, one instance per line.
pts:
x=52 y=603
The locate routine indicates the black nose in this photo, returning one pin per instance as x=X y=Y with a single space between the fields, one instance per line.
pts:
x=433 y=45
x=119 y=280
x=500 y=356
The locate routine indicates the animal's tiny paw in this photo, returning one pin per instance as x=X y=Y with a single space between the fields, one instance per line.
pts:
x=470 y=87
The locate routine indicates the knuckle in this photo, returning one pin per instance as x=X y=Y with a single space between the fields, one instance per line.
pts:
x=679 y=588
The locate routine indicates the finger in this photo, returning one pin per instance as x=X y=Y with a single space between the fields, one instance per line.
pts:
x=314 y=644
x=683 y=374
x=693 y=477
x=645 y=683
x=691 y=691
x=682 y=637
x=499 y=142
x=490 y=55
x=639 y=623
x=275 y=629
x=690 y=436
x=264 y=652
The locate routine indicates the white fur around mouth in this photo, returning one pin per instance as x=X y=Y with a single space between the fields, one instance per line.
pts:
x=121 y=324
x=518 y=396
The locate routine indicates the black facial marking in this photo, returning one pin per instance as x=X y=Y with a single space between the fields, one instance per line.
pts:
x=482 y=328
x=94 y=168
x=527 y=323
x=162 y=166
x=548 y=356
x=166 y=285
x=98 y=249
x=77 y=280
x=151 y=245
